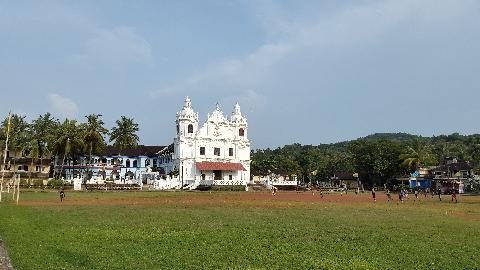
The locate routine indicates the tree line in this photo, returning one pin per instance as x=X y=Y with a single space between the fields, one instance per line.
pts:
x=377 y=158
x=46 y=137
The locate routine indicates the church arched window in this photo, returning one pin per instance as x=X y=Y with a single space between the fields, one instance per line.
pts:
x=178 y=129
x=241 y=132
x=190 y=128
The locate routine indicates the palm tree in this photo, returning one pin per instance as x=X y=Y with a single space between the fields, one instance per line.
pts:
x=124 y=135
x=94 y=136
x=43 y=131
x=416 y=155
x=69 y=140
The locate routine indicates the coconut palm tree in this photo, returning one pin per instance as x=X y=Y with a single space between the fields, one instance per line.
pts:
x=124 y=134
x=43 y=131
x=69 y=140
x=416 y=155
x=94 y=136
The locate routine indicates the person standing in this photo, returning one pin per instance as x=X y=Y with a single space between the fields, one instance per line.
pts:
x=389 y=196
x=274 y=191
x=454 y=195
x=62 y=194
x=373 y=195
x=439 y=192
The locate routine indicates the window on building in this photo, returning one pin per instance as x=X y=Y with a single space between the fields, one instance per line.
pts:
x=134 y=164
x=190 y=128
x=8 y=154
x=230 y=177
x=127 y=163
x=216 y=151
x=230 y=152
x=37 y=169
x=178 y=129
x=202 y=151
x=147 y=162
x=154 y=162
x=203 y=176
x=25 y=168
x=20 y=168
x=241 y=132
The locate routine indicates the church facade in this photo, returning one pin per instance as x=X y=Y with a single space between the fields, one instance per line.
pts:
x=214 y=153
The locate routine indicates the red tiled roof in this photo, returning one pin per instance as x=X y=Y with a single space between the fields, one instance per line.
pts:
x=220 y=166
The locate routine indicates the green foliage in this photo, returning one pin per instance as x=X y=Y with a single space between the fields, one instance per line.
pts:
x=69 y=139
x=43 y=136
x=175 y=172
x=227 y=188
x=95 y=132
x=19 y=133
x=376 y=161
x=55 y=183
x=124 y=135
x=377 y=158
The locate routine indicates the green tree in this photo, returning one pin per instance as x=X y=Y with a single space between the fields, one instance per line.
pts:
x=376 y=161
x=124 y=135
x=18 y=137
x=94 y=136
x=43 y=131
x=69 y=142
x=417 y=154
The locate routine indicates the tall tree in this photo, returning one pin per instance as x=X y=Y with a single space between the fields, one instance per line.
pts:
x=69 y=141
x=43 y=132
x=417 y=154
x=95 y=133
x=19 y=136
x=376 y=161
x=124 y=134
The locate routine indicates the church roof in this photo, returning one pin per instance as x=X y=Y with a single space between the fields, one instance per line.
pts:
x=219 y=166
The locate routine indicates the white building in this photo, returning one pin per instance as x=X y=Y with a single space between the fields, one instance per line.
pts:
x=217 y=153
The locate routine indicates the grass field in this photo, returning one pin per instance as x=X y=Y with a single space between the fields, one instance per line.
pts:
x=239 y=230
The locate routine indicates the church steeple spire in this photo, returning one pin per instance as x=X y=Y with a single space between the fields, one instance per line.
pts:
x=237 y=116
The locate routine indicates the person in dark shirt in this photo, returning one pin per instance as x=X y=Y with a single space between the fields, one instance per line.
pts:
x=373 y=195
x=454 y=196
x=389 y=196
x=62 y=195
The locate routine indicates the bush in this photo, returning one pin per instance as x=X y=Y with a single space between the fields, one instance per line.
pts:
x=37 y=183
x=55 y=183
x=228 y=188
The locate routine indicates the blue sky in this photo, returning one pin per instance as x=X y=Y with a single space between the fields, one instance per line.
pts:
x=303 y=71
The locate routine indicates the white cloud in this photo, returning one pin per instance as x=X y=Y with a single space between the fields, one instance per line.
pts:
x=62 y=106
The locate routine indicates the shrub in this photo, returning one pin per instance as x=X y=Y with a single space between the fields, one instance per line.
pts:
x=228 y=188
x=55 y=183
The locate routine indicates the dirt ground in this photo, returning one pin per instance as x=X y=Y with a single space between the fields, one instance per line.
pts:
x=244 y=199
x=5 y=263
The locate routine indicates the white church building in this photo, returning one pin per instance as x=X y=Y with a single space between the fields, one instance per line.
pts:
x=216 y=153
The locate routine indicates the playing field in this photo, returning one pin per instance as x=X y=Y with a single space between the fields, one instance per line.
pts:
x=239 y=230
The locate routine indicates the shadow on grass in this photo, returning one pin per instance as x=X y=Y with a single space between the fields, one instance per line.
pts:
x=75 y=259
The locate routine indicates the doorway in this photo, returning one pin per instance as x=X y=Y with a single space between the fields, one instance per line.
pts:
x=217 y=175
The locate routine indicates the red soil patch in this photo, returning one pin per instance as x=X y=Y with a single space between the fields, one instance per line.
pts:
x=243 y=199
x=466 y=216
